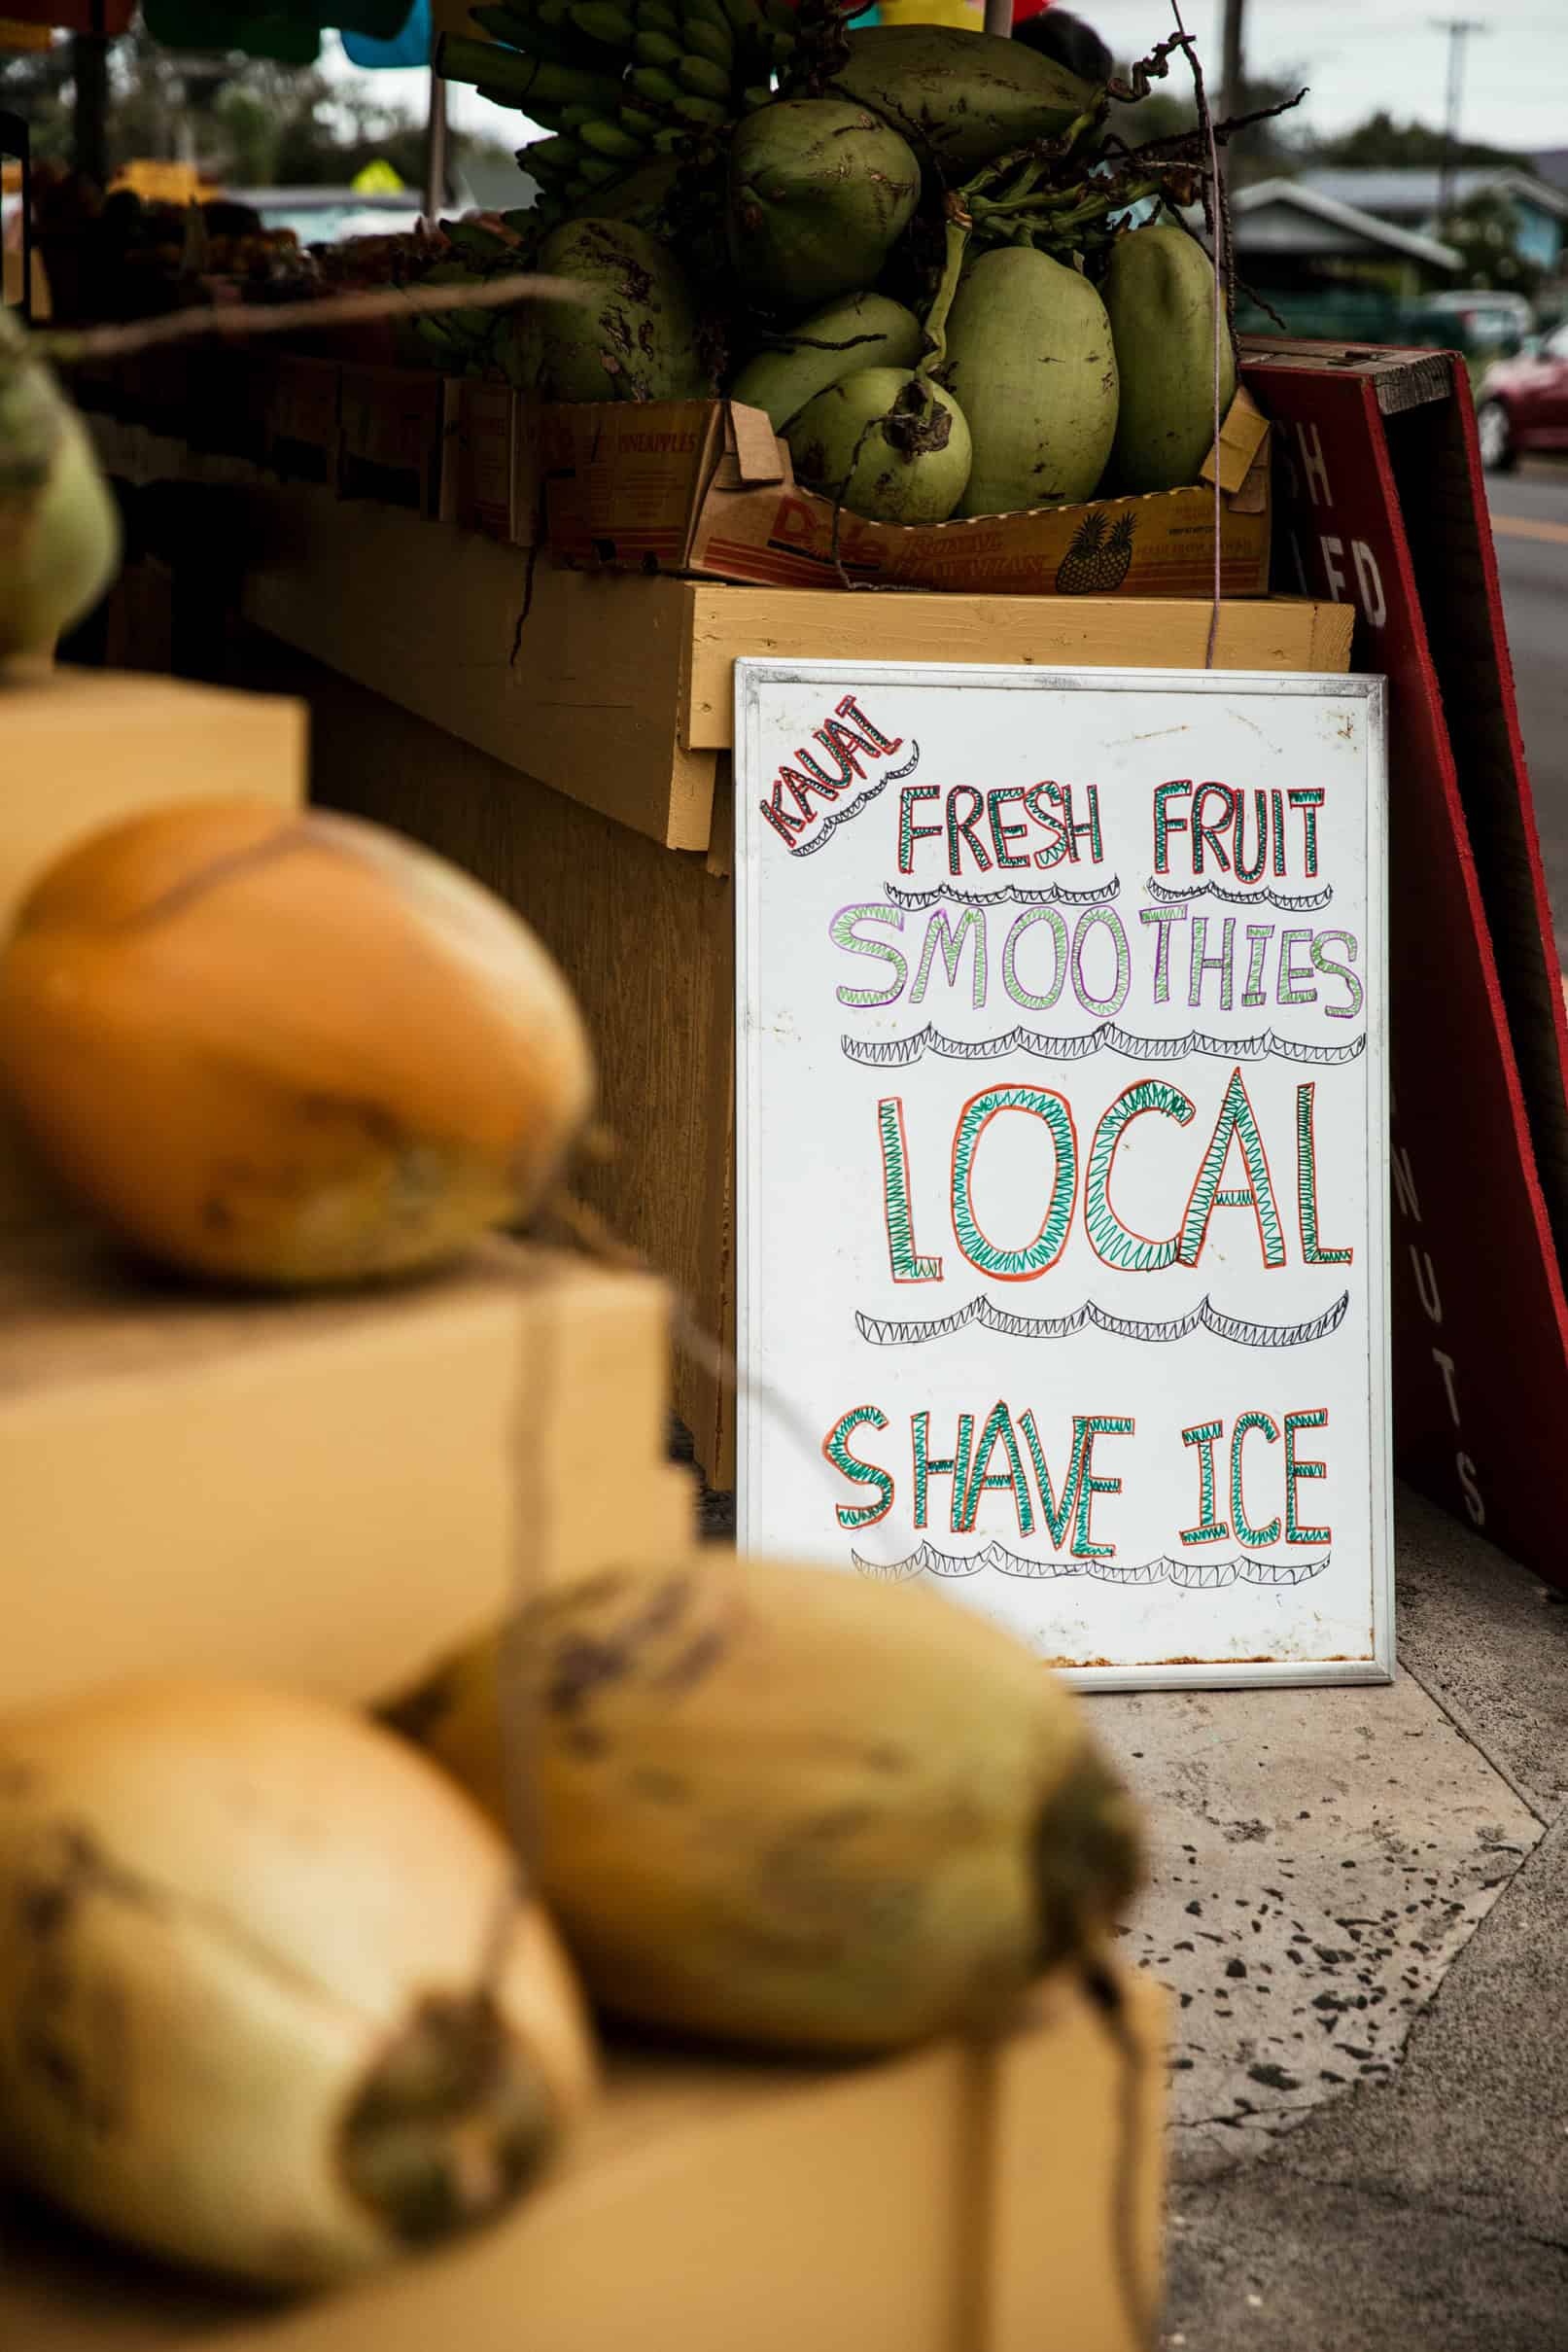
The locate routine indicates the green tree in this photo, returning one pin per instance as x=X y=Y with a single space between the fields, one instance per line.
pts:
x=1380 y=143
x=246 y=121
x=36 y=85
x=1485 y=229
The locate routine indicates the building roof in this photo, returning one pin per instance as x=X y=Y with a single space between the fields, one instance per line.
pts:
x=1287 y=216
x=1552 y=164
x=1411 y=194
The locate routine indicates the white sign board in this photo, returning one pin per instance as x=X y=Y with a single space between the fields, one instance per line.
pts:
x=1062 y=1154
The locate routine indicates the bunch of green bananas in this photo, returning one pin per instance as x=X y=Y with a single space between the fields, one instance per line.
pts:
x=618 y=81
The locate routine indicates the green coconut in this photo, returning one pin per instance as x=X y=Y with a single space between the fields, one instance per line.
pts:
x=819 y=194
x=1160 y=296
x=636 y=339
x=857 y=331
x=887 y=444
x=961 y=96
x=59 y=528
x=1030 y=358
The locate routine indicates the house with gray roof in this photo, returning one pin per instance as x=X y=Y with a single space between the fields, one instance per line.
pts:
x=1409 y=198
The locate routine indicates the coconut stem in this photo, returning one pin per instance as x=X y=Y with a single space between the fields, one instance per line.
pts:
x=1087 y=1860
x=449 y=2126
x=959 y=228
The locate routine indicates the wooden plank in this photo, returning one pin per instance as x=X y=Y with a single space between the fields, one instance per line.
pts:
x=569 y=677
x=1100 y=632
x=1401 y=378
x=726 y=2205
x=1038 y=2169
x=329 y=1490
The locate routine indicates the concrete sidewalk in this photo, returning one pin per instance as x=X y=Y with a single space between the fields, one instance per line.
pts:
x=1359 y=1899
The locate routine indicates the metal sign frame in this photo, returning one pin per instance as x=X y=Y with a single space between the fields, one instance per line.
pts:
x=1290 y=1620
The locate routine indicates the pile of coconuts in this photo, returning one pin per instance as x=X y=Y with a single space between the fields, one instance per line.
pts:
x=911 y=246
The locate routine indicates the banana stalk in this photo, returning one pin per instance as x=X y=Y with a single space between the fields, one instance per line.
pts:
x=512 y=80
x=549 y=44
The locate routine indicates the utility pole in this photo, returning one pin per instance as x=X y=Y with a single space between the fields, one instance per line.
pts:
x=1231 y=68
x=1456 y=28
x=89 y=72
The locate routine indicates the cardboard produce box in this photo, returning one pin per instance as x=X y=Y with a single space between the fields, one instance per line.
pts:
x=490 y=476
x=392 y=433
x=707 y=487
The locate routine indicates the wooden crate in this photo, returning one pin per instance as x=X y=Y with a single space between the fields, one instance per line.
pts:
x=618 y=691
x=614 y=691
x=953 y=2201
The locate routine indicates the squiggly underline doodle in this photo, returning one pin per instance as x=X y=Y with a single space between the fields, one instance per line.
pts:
x=1052 y=893
x=1187 y=1575
x=984 y=1314
x=898 y=1052
x=829 y=825
x=1289 y=902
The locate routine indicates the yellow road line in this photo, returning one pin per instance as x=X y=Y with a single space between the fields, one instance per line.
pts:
x=1526 y=526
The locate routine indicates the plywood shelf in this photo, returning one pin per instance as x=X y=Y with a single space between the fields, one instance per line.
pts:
x=952 y=2200
x=326 y=1490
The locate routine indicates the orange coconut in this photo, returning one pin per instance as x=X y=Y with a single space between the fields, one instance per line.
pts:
x=286 y=1048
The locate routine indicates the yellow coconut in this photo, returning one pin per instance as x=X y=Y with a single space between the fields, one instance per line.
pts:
x=287 y=1049
x=251 y=2013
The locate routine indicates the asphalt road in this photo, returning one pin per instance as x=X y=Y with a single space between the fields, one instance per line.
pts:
x=1530 y=529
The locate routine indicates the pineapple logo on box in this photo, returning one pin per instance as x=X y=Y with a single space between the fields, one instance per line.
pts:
x=1099 y=558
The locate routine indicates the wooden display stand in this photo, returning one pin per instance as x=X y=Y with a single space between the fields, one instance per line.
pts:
x=330 y=1492
x=567 y=737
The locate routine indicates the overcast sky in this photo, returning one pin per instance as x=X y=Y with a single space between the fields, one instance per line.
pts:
x=1356 y=55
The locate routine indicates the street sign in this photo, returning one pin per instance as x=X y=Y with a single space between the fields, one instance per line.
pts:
x=1062 y=1154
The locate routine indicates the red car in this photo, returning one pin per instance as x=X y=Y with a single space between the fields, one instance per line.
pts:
x=1523 y=404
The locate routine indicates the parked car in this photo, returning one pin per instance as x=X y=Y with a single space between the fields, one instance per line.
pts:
x=1479 y=319
x=1523 y=402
